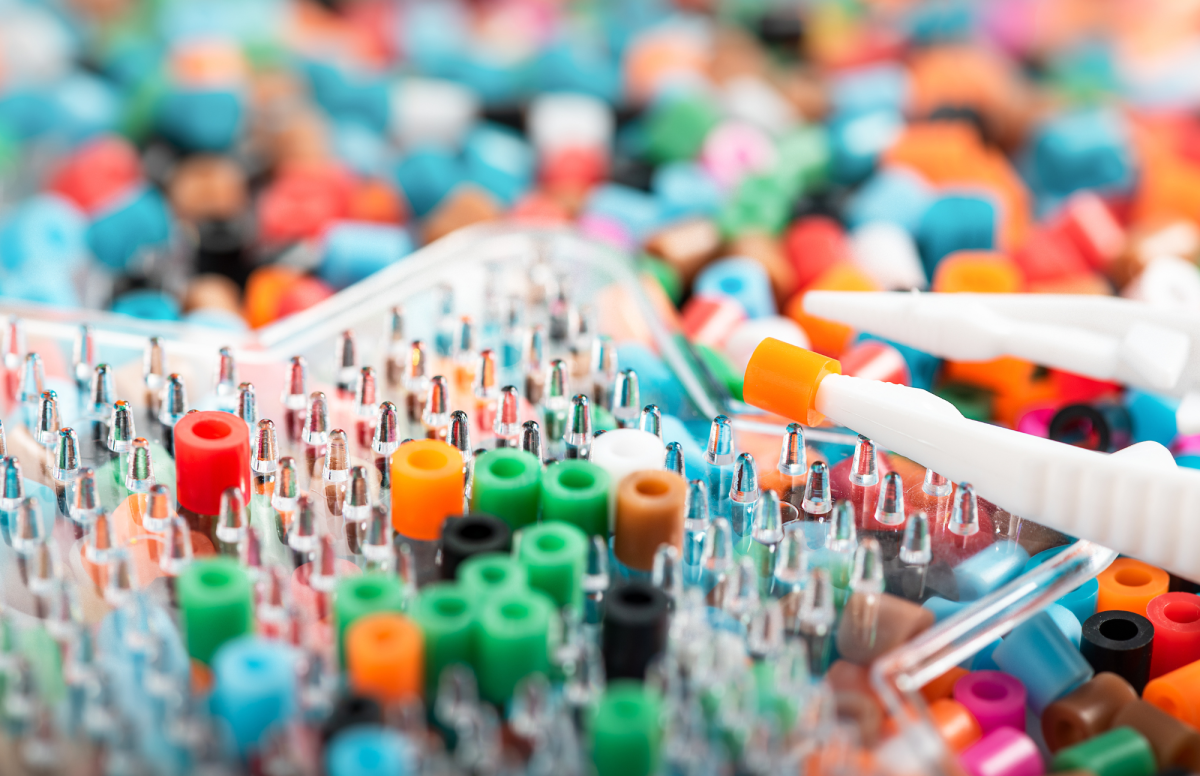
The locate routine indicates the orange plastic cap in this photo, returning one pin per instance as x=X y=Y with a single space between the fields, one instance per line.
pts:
x=427 y=486
x=984 y=272
x=784 y=379
x=1177 y=693
x=1128 y=585
x=385 y=657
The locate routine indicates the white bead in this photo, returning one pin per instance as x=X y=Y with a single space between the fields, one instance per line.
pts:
x=569 y=120
x=755 y=101
x=886 y=252
x=750 y=333
x=35 y=47
x=430 y=111
x=622 y=452
x=1167 y=282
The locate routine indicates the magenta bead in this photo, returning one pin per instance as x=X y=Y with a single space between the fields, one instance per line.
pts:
x=734 y=150
x=994 y=698
x=606 y=230
x=1037 y=422
x=1186 y=445
x=1003 y=752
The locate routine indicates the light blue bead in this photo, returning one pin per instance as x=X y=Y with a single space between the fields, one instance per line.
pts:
x=941 y=22
x=137 y=221
x=500 y=160
x=894 y=194
x=44 y=233
x=147 y=304
x=674 y=430
x=357 y=249
x=1037 y=653
x=426 y=176
x=350 y=96
x=200 y=120
x=869 y=88
x=254 y=688
x=943 y=607
x=856 y=141
x=86 y=106
x=369 y=750
x=1188 y=461
x=984 y=659
x=1085 y=150
x=214 y=318
x=364 y=150
x=28 y=113
x=497 y=81
x=1081 y=601
x=242 y=20
x=989 y=569
x=636 y=210
x=433 y=37
x=956 y=222
x=685 y=189
x=578 y=66
x=41 y=288
x=1153 y=416
x=741 y=279
x=1067 y=622
x=656 y=382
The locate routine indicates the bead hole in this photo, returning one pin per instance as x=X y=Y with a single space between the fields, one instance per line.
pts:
x=550 y=543
x=514 y=611
x=211 y=429
x=477 y=532
x=494 y=575
x=1132 y=577
x=1182 y=613
x=637 y=598
x=1118 y=630
x=651 y=487
x=989 y=691
x=450 y=607
x=427 y=460
x=573 y=479
x=507 y=468
x=368 y=592
x=214 y=578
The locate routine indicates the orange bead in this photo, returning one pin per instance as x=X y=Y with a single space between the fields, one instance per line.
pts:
x=1128 y=585
x=538 y=207
x=943 y=686
x=1177 y=693
x=828 y=337
x=303 y=294
x=1048 y=255
x=982 y=272
x=783 y=379
x=375 y=200
x=427 y=477
x=265 y=288
x=1005 y=375
x=385 y=657
x=954 y=723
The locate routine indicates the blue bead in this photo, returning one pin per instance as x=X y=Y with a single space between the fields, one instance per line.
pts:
x=741 y=279
x=636 y=210
x=86 y=106
x=497 y=82
x=349 y=97
x=214 y=318
x=137 y=221
x=147 y=304
x=655 y=380
x=1188 y=461
x=942 y=607
x=578 y=66
x=1084 y=150
x=434 y=35
x=427 y=175
x=674 y=430
x=356 y=249
x=364 y=150
x=369 y=750
x=685 y=189
x=1067 y=622
x=28 y=113
x=983 y=660
x=1037 y=653
x=941 y=22
x=894 y=194
x=200 y=120
x=1081 y=601
x=989 y=569
x=857 y=140
x=40 y=288
x=956 y=222
x=870 y=88
x=254 y=688
x=1153 y=416
x=44 y=233
x=499 y=160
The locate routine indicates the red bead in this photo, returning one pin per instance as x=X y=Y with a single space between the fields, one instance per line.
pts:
x=574 y=168
x=814 y=244
x=1075 y=389
x=97 y=173
x=301 y=202
x=1092 y=227
x=1176 y=619
x=876 y=360
x=1049 y=254
x=709 y=320
x=212 y=453
x=303 y=294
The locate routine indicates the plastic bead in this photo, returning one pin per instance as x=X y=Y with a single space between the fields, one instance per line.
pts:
x=989 y=569
x=359 y=596
x=354 y=250
x=465 y=537
x=368 y=750
x=1176 y=620
x=1120 y=642
x=1086 y=712
x=514 y=640
x=994 y=699
x=1129 y=585
x=215 y=598
x=212 y=453
x=626 y=732
x=427 y=487
x=255 y=688
x=491 y=573
x=577 y=492
x=384 y=657
x=1174 y=743
x=635 y=629
x=1003 y=752
x=1119 y=752
x=1037 y=653
x=507 y=484
x=956 y=223
x=1176 y=693
x=743 y=280
x=955 y=724
x=555 y=556
x=445 y=613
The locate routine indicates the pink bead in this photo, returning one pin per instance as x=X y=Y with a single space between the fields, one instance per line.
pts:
x=1037 y=422
x=1003 y=752
x=606 y=230
x=1187 y=445
x=709 y=320
x=733 y=150
x=994 y=698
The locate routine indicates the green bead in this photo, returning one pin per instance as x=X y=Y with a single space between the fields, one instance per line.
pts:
x=802 y=160
x=216 y=602
x=602 y=419
x=110 y=477
x=626 y=731
x=359 y=596
x=1119 y=752
x=974 y=403
x=720 y=368
x=507 y=485
x=760 y=203
x=665 y=275
x=516 y=632
x=555 y=555
x=576 y=492
x=676 y=129
x=445 y=612
x=45 y=660
x=492 y=572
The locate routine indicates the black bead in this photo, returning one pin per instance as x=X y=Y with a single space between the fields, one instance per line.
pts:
x=1120 y=642
x=1103 y=427
x=631 y=172
x=349 y=711
x=470 y=535
x=635 y=629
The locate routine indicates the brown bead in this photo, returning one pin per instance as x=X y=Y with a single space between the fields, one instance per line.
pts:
x=1175 y=743
x=872 y=625
x=208 y=187
x=735 y=54
x=650 y=512
x=468 y=204
x=805 y=91
x=766 y=250
x=854 y=697
x=1085 y=712
x=208 y=292
x=686 y=246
